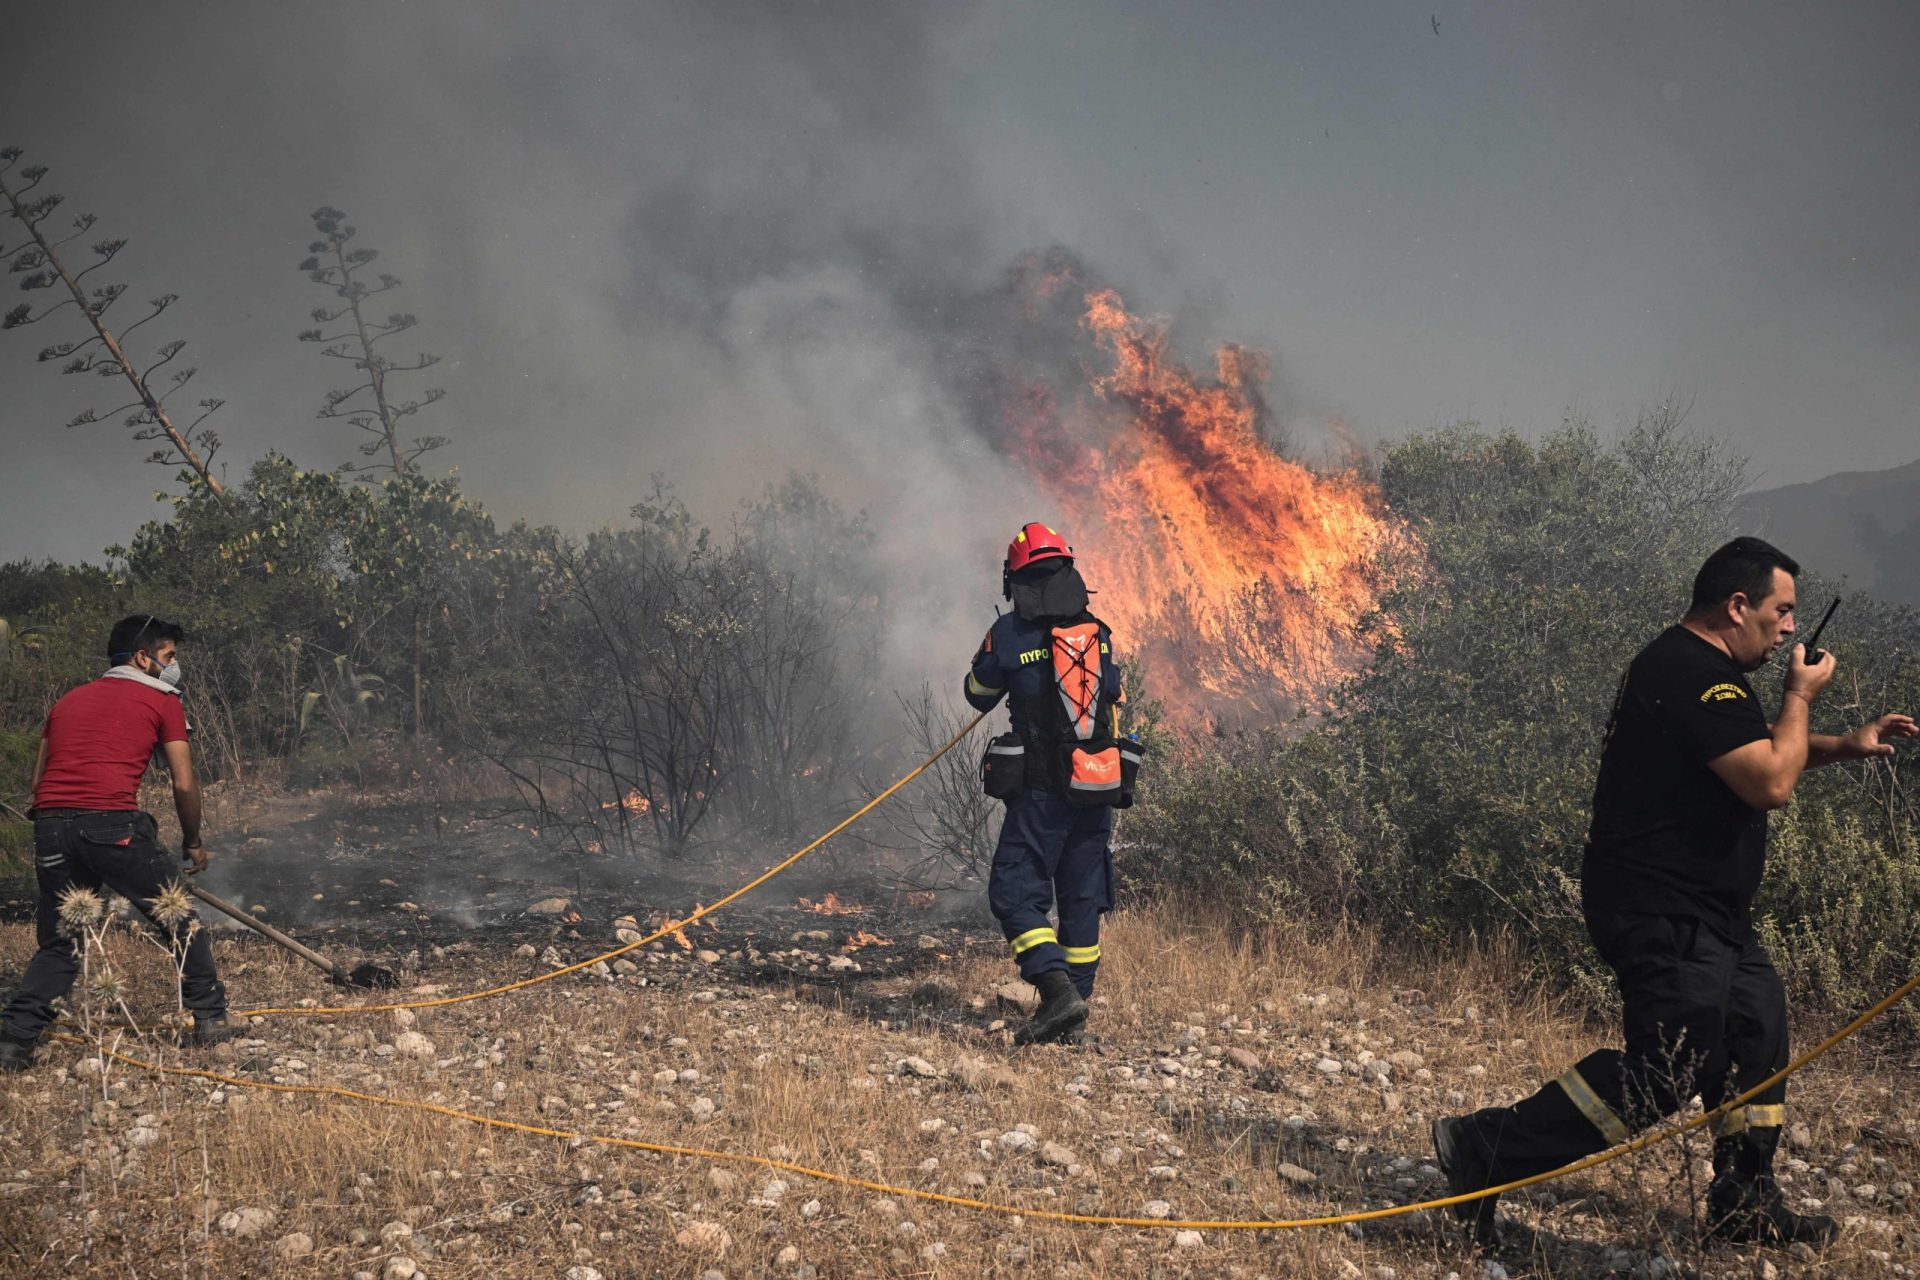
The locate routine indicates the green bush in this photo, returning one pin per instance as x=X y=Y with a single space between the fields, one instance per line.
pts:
x=1448 y=788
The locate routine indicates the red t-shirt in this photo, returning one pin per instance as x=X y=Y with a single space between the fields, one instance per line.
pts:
x=99 y=739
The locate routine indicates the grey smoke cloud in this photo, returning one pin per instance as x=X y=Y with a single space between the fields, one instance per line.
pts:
x=717 y=241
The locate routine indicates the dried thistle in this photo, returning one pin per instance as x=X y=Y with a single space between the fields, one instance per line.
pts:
x=172 y=907
x=105 y=985
x=80 y=908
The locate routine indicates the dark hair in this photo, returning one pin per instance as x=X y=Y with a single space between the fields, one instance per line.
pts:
x=1744 y=565
x=139 y=631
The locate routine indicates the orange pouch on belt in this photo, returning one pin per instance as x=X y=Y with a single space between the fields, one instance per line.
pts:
x=1093 y=774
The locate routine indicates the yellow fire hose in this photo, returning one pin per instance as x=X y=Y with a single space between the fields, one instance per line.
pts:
x=992 y=1206
x=1659 y=1135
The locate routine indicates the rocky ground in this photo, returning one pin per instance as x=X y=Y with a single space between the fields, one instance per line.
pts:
x=1231 y=1077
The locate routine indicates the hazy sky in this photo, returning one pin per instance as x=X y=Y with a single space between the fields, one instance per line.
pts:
x=715 y=240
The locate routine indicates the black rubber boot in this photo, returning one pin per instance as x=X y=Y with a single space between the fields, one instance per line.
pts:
x=1460 y=1161
x=1061 y=1010
x=1744 y=1203
x=211 y=1031
x=15 y=1055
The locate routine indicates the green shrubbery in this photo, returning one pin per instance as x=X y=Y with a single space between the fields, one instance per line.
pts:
x=1448 y=788
x=344 y=631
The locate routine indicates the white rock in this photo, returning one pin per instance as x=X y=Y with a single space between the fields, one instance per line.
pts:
x=1163 y=1173
x=413 y=1045
x=811 y=1209
x=787 y=1257
x=1054 y=1153
x=1157 y=1209
x=584 y=1273
x=401 y=1268
x=1187 y=1239
x=395 y=1233
x=548 y=907
x=704 y=1237
x=247 y=1224
x=1017 y=1141
x=297 y=1245
x=917 y=1066
x=1329 y=1066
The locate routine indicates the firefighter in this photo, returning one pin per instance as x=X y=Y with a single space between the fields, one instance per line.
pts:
x=1688 y=771
x=88 y=830
x=1060 y=772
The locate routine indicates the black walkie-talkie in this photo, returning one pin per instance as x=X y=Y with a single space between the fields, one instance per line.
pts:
x=1813 y=642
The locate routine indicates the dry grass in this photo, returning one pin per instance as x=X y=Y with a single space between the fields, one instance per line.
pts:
x=118 y=1172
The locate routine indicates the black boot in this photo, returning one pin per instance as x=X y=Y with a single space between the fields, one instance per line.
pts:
x=15 y=1055
x=1466 y=1171
x=210 y=1031
x=1061 y=1010
x=1744 y=1203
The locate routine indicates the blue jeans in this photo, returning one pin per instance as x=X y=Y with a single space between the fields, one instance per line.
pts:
x=120 y=851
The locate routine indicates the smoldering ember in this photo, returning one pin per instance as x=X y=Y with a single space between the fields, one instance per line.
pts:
x=852 y=639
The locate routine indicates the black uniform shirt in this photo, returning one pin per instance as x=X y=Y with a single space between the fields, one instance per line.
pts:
x=1668 y=836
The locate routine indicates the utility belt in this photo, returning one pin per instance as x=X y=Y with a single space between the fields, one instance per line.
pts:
x=1089 y=774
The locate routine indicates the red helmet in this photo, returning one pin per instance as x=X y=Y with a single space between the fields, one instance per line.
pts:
x=1035 y=542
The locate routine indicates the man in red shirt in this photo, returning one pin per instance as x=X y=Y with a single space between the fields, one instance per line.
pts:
x=88 y=830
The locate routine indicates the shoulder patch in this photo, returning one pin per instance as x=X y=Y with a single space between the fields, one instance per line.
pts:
x=1723 y=693
x=986 y=646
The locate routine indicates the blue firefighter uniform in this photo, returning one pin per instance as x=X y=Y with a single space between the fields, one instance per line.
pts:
x=1052 y=854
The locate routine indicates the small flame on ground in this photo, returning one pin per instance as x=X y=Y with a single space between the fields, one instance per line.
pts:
x=830 y=906
x=677 y=929
x=633 y=802
x=864 y=939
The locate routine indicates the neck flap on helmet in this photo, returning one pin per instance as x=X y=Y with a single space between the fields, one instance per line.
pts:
x=1061 y=594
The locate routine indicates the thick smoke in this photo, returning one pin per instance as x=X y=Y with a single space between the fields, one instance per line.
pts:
x=709 y=243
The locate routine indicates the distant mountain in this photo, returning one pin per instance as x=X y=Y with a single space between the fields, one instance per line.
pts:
x=1864 y=525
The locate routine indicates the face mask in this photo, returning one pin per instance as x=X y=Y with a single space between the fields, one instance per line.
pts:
x=169 y=674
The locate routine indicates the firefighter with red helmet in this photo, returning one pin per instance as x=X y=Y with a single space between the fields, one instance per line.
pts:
x=1062 y=770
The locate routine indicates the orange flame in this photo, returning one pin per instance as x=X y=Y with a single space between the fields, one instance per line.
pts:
x=864 y=939
x=830 y=906
x=633 y=802
x=677 y=929
x=1239 y=577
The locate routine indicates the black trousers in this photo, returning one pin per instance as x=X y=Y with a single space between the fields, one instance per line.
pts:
x=1053 y=855
x=120 y=851
x=1703 y=1016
